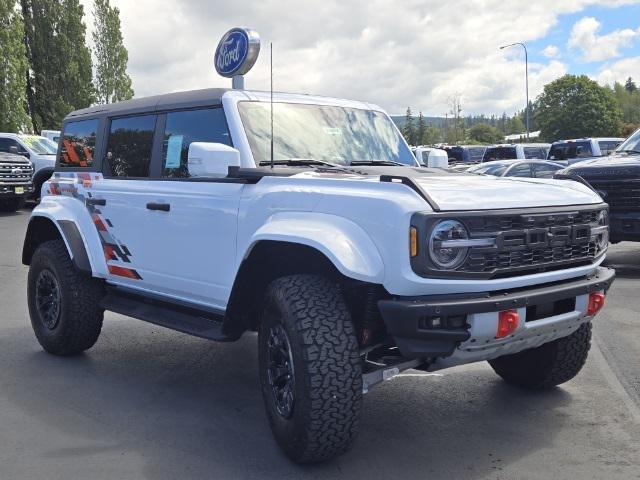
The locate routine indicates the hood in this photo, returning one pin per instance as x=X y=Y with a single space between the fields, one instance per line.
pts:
x=450 y=190
x=479 y=192
x=616 y=165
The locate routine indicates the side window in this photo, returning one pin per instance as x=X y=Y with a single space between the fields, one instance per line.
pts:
x=7 y=143
x=544 y=171
x=534 y=152
x=606 y=147
x=78 y=143
x=521 y=170
x=129 y=145
x=184 y=127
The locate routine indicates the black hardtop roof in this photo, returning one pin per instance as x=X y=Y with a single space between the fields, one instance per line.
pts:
x=169 y=101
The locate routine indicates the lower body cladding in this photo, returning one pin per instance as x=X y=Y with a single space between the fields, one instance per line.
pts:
x=444 y=331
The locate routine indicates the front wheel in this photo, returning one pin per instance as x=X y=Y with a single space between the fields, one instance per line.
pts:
x=310 y=369
x=547 y=365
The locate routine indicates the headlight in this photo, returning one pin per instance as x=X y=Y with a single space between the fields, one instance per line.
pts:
x=448 y=244
x=600 y=234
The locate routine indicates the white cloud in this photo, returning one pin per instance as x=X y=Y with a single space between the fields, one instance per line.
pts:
x=594 y=47
x=551 y=51
x=391 y=52
x=619 y=71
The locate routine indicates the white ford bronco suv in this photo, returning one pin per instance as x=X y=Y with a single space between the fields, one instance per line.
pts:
x=320 y=232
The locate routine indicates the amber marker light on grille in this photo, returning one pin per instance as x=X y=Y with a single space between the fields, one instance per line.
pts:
x=413 y=241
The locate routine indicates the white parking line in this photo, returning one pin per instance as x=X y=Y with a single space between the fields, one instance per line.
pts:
x=420 y=375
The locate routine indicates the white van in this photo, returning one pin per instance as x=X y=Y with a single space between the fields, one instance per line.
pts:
x=53 y=135
x=431 y=157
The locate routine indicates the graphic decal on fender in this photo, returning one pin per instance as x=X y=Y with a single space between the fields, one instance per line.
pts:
x=114 y=251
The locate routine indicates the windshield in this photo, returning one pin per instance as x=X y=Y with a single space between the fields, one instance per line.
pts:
x=39 y=145
x=496 y=169
x=631 y=144
x=322 y=132
x=476 y=153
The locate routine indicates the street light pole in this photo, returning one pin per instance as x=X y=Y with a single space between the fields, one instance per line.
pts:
x=526 y=78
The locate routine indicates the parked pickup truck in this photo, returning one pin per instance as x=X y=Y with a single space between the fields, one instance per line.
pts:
x=16 y=173
x=581 y=149
x=616 y=178
x=350 y=261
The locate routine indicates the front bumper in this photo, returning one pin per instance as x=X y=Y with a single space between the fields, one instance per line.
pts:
x=9 y=190
x=436 y=326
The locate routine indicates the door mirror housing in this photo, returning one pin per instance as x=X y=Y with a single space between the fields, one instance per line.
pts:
x=211 y=159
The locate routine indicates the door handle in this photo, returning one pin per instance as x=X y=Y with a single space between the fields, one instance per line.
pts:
x=95 y=201
x=165 y=207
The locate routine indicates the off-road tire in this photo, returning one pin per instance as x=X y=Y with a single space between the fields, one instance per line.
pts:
x=12 y=204
x=547 y=365
x=80 y=317
x=328 y=377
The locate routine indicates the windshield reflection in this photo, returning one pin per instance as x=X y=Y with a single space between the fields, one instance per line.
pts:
x=327 y=133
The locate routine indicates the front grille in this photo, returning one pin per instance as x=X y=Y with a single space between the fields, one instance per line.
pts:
x=9 y=174
x=519 y=243
x=622 y=194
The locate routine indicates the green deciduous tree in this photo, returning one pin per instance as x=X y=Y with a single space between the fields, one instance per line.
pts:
x=60 y=75
x=483 y=133
x=576 y=106
x=432 y=135
x=13 y=67
x=111 y=80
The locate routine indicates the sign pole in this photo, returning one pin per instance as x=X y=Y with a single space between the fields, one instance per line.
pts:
x=237 y=82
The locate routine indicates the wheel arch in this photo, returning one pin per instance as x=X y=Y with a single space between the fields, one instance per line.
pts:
x=42 y=229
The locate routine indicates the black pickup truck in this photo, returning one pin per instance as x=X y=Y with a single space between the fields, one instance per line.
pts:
x=617 y=179
x=16 y=175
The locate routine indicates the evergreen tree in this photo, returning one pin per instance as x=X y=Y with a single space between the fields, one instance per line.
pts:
x=59 y=79
x=422 y=127
x=13 y=67
x=408 y=130
x=111 y=79
x=630 y=85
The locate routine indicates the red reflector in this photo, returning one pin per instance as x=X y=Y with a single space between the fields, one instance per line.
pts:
x=596 y=302
x=507 y=323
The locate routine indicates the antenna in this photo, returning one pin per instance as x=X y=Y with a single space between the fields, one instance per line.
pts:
x=271 y=102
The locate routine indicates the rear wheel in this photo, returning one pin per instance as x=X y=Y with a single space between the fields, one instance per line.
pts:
x=11 y=204
x=63 y=303
x=547 y=365
x=309 y=368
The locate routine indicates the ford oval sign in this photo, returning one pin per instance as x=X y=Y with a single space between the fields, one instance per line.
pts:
x=237 y=52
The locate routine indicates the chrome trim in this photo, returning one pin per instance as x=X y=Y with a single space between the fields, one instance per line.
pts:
x=467 y=243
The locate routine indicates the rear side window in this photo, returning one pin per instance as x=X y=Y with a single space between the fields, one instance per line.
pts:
x=534 y=152
x=129 y=145
x=607 y=146
x=500 y=153
x=183 y=128
x=78 y=144
x=521 y=170
x=566 y=151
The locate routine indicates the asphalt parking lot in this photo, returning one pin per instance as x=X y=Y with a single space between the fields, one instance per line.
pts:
x=155 y=404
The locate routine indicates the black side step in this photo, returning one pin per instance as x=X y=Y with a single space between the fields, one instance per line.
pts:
x=185 y=319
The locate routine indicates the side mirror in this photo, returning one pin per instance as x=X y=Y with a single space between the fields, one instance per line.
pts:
x=211 y=159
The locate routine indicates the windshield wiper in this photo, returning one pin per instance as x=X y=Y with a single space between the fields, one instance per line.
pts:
x=300 y=162
x=377 y=162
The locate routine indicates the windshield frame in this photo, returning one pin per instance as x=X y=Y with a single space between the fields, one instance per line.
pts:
x=339 y=104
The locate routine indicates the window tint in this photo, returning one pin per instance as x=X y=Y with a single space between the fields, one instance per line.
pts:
x=534 y=152
x=7 y=143
x=521 y=170
x=78 y=143
x=566 y=151
x=129 y=146
x=606 y=147
x=476 y=153
x=500 y=153
x=183 y=128
x=543 y=170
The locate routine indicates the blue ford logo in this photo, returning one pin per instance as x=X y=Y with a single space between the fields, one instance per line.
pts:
x=237 y=52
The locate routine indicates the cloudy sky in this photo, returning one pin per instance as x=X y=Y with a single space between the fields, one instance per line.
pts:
x=394 y=53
